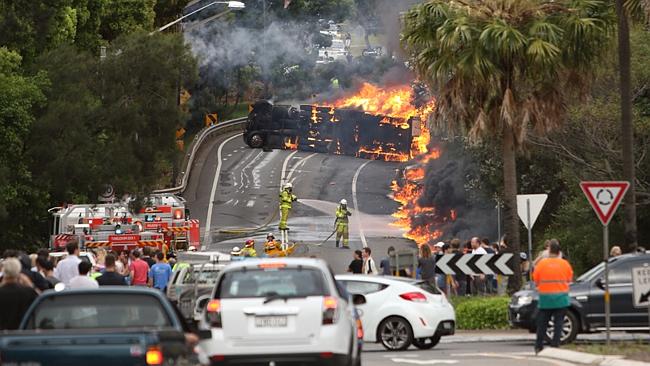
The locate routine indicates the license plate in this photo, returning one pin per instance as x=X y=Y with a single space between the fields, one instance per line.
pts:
x=270 y=321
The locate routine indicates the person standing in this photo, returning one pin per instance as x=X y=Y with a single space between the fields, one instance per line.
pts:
x=341 y=224
x=427 y=264
x=111 y=277
x=68 y=268
x=15 y=296
x=47 y=270
x=83 y=280
x=478 y=281
x=369 y=266
x=552 y=277
x=139 y=270
x=146 y=256
x=160 y=273
x=286 y=201
x=356 y=266
x=385 y=263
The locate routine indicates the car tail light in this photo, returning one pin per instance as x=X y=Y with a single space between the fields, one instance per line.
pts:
x=326 y=355
x=213 y=313
x=154 y=356
x=414 y=296
x=330 y=312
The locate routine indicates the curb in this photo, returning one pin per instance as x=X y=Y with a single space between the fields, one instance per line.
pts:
x=583 y=358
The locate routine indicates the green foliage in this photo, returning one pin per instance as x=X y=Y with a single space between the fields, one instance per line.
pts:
x=481 y=312
x=20 y=98
x=125 y=17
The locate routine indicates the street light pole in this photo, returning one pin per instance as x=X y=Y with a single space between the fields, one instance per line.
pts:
x=231 y=4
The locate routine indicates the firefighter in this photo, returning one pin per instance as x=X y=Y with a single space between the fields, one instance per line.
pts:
x=235 y=252
x=249 y=249
x=341 y=224
x=286 y=200
x=271 y=243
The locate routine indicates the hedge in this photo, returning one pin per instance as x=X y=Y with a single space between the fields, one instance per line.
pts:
x=481 y=312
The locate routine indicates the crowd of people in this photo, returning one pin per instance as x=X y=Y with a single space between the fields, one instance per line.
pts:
x=23 y=277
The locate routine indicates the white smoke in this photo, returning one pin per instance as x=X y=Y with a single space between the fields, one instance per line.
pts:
x=222 y=46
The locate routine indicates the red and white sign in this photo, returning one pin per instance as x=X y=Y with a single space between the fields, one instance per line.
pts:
x=604 y=197
x=123 y=238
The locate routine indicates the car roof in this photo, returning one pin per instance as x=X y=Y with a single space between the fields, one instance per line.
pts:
x=105 y=290
x=290 y=262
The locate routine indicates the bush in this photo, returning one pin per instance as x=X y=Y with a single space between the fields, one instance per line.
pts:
x=481 y=312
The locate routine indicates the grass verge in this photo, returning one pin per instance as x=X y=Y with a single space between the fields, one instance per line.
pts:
x=638 y=351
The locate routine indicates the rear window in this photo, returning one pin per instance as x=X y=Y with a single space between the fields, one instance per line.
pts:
x=291 y=282
x=87 y=311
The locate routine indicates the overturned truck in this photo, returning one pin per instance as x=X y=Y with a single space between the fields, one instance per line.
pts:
x=331 y=130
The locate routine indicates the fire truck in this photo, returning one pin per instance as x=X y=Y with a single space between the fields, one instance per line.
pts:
x=167 y=214
x=164 y=221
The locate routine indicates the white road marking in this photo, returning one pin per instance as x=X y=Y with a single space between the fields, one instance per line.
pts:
x=300 y=163
x=284 y=168
x=250 y=203
x=423 y=362
x=515 y=356
x=215 y=182
x=356 y=205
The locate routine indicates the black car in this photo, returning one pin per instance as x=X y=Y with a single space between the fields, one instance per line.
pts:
x=587 y=310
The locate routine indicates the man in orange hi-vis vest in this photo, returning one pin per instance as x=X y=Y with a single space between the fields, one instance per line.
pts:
x=552 y=277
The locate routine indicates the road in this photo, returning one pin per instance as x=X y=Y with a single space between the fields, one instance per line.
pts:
x=234 y=192
x=475 y=353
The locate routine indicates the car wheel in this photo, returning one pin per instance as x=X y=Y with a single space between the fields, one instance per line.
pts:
x=256 y=141
x=426 y=343
x=569 y=329
x=395 y=333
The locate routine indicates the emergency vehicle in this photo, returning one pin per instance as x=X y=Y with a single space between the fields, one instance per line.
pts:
x=167 y=214
x=163 y=222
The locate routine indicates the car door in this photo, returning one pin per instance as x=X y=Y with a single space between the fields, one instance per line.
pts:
x=623 y=312
x=369 y=311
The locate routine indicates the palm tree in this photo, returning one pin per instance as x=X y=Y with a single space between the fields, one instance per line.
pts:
x=505 y=68
x=625 y=8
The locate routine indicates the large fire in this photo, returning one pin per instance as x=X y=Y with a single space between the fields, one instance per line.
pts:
x=396 y=102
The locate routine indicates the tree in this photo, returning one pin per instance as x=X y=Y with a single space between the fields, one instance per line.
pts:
x=121 y=17
x=623 y=10
x=504 y=68
x=20 y=98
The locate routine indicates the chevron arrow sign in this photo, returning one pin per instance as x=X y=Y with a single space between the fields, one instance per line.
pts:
x=473 y=264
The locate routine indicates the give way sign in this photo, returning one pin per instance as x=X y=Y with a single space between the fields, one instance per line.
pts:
x=604 y=197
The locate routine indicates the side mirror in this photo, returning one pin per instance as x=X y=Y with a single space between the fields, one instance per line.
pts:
x=600 y=283
x=358 y=299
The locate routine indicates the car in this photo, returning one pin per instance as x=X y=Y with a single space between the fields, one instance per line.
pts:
x=112 y=325
x=280 y=310
x=400 y=311
x=187 y=269
x=197 y=283
x=586 y=312
x=372 y=52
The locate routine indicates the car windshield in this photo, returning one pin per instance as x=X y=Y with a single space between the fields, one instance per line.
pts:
x=206 y=276
x=101 y=310
x=590 y=274
x=285 y=282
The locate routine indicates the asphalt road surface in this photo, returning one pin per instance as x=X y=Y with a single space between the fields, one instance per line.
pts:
x=234 y=191
x=474 y=353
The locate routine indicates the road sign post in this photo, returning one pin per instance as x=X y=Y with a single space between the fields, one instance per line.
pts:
x=604 y=198
x=641 y=287
x=528 y=208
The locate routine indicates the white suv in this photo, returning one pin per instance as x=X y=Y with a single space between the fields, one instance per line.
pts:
x=280 y=311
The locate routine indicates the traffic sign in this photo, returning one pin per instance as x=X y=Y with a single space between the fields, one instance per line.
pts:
x=604 y=197
x=473 y=264
x=641 y=285
x=530 y=203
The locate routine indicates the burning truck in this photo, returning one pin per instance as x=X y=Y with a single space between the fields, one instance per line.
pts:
x=377 y=124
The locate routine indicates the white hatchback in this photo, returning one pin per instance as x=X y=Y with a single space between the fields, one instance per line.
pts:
x=280 y=311
x=401 y=311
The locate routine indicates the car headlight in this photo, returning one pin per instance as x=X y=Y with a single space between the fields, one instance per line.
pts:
x=524 y=300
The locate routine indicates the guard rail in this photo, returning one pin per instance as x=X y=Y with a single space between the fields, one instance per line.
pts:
x=199 y=139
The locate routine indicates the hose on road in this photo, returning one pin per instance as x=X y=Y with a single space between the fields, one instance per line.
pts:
x=249 y=229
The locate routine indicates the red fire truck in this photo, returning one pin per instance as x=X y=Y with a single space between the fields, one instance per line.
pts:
x=167 y=214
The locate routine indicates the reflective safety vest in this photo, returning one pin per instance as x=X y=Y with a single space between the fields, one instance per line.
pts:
x=553 y=276
x=249 y=252
x=342 y=215
x=286 y=199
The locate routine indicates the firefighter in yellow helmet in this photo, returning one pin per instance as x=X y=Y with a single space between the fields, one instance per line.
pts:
x=341 y=224
x=249 y=249
x=286 y=200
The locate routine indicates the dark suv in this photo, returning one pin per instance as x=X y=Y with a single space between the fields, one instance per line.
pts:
x=587 y=311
